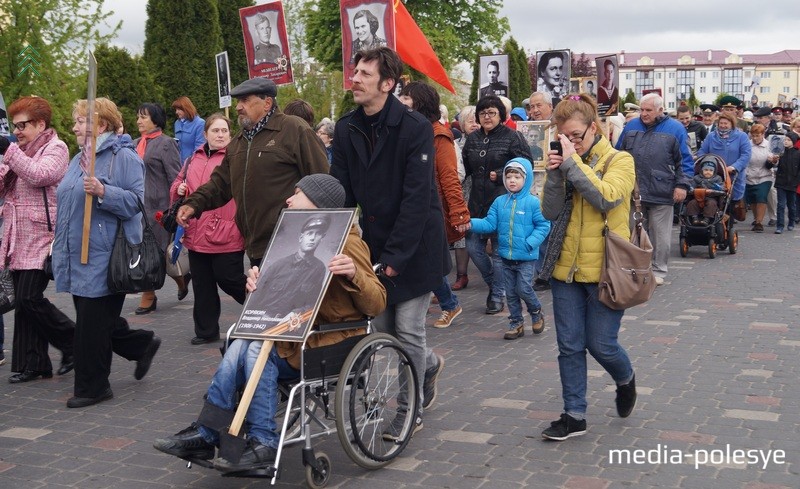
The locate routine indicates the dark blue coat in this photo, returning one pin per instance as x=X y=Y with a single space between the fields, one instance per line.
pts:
x=393 y=182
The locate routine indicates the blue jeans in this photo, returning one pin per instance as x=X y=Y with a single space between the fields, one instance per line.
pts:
x=476 y=247
x=786 y=198
x=518 y=279
x=232 y=375
x=584 y=323
x=447 y=299
x=406 y=322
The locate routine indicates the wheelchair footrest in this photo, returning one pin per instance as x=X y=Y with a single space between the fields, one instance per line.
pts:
x=266 y=473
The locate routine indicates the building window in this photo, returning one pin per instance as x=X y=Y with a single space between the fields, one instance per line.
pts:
x=732 y=82
x=672 y=90
x=671 y=105
x=714 y=89
x=685 y=83
x=786 y=74
x=785 y=89
x=765 y=74
x=764 y=89
x=671 y=75
x=702 y=89
x=627 y=76
x=716 y=74
x=644 y=81
x=702 y=74
x=658 y=76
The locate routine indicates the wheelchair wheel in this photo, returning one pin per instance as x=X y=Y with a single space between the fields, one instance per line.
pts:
x=318 y=479
x=684 y=247
x=376 y=376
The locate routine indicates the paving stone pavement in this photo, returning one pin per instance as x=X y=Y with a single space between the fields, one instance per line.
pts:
x=716 y=356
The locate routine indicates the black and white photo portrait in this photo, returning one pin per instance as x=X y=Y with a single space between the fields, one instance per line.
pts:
x=266 y=47
x=608 y=88
x=553 y=74
x=493 y=75
x=366 y=31
x=223 y=80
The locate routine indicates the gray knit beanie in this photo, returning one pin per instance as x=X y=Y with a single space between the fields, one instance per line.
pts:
x=323 y=190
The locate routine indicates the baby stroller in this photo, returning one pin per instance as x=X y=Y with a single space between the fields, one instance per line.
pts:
x=717 y=232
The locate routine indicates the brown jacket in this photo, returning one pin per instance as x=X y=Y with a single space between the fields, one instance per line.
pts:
x=259 y=175
x=344 y=301
x=453 y=206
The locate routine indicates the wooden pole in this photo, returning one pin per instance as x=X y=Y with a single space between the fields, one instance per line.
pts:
x=87 y=205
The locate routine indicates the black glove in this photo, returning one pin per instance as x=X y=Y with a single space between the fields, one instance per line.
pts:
x=4 y=144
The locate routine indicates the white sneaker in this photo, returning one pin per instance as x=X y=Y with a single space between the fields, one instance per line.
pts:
x=446 y=319
x=659 y=280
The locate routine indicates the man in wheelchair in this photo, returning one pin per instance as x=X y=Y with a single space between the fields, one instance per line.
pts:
x=354 y=292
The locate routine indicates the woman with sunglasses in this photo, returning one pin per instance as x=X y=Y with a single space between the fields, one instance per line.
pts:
x=485 y=153
x=31 y=170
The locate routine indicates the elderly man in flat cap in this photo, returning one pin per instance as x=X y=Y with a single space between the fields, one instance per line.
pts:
x=262 y=165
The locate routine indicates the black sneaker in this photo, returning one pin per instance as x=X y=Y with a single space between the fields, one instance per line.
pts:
x=392 y=432
x=187 y=443
x=256 y=456
x=626 y=398
x=429 y=391
x=565 y=427
x=143 y=364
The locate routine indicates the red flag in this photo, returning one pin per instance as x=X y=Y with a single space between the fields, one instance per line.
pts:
x=414 y=48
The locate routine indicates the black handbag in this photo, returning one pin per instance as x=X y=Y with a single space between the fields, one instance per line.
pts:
x=47 y=266
x=168 y=217
x=136 y=267
x=7 y=302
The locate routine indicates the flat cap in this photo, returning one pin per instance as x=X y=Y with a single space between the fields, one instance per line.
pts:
x=255 y=86
x=762 y=112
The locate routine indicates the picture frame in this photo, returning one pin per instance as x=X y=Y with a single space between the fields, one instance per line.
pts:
x=607 y=69
x=294 y=275
x=553 y=73
x=365 y=24
x=493 y=74
x=538 y=136
x=223 y=79
x=266 y=44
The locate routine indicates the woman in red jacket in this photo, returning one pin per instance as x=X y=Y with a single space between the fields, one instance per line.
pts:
x=216 y=247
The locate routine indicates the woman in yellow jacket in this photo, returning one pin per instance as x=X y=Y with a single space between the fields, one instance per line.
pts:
x=587 y=179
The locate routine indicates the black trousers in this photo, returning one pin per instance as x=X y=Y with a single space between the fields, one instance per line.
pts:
x=208 y=271
x=37 y=322
x=99 y=331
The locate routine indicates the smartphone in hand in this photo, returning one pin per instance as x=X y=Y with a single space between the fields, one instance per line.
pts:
x=556 y=146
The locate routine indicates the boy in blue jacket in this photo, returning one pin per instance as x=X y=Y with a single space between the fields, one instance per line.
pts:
x=517 y=219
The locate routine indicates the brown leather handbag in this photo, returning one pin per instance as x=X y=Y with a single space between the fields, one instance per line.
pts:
x=627 y=279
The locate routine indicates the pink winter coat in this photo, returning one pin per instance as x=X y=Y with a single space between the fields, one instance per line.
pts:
x=26 y=240
x=216 y=230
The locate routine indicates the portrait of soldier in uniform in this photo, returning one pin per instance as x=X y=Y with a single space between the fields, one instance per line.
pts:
x=264 y=50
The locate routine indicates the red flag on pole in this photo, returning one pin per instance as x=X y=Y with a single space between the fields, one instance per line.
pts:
x=414 y=48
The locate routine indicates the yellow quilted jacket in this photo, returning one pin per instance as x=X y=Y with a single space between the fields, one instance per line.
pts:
x=601 y=184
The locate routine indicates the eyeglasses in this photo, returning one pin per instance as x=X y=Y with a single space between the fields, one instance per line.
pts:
x=577 y=139
x=488 y=113
x=20 y=126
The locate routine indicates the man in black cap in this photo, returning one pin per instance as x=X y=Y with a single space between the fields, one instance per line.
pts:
x=709 y=116
x=262 y=165
x=763 y=117
x=732 y=105
x=354 y=292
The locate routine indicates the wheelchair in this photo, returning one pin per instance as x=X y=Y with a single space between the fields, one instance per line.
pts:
x=367 y=379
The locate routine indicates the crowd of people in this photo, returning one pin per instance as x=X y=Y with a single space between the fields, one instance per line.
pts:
x=424 y=184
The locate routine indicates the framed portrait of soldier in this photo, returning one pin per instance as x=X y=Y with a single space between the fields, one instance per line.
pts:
x=553 y=73
x=266 y=44
x=493 y=74
x=294 y=274
x=223 y=80
x=574 y=85
x=366 y=24
x=608 y=85
x=589 y=86
x=537 y=136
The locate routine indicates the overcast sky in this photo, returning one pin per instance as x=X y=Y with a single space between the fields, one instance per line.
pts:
x=590 y=26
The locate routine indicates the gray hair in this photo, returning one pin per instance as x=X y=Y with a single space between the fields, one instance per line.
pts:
x=655 y=98
x=467 y=112
x=545 y=98
x=327 y=127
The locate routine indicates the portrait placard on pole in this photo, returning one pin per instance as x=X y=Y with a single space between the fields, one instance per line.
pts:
x=493 y=75
x=366 y=24
x=223 y=80
x=266 y=44
x=294 y=274
x=608 y=89
x=553 y=71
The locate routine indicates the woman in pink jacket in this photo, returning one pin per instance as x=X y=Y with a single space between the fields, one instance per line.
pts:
x=216 y=247
x=29 y=174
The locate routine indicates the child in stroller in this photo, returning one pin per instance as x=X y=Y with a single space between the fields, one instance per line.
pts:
x=703 y=208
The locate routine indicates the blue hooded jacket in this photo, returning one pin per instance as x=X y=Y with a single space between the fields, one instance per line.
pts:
x=517 y=219
x=121 y=171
